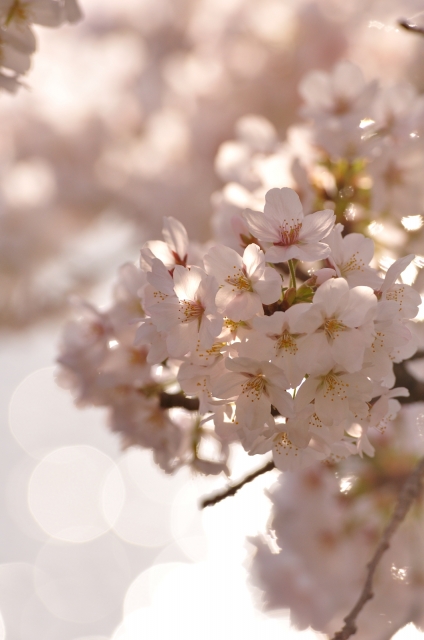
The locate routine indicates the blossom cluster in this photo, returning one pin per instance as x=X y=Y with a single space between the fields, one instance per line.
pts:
x=358 y=149
x=302 y=369
x=143 y=143
x=17 y=39
x=326 y=523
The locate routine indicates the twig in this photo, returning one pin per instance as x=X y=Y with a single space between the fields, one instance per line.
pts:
x=170 y=400
x=405 y=379
x=408 y=494
x=409 y=26
x=231 y=491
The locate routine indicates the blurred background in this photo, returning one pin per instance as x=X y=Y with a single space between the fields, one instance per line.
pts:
x=120 y=124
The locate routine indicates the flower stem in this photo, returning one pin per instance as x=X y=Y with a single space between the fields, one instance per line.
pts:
x=292 y=268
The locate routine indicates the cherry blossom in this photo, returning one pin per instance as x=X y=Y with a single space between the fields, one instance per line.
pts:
x=255 y=386
x=351 y=256
x=245 y=283
x=284 y=231
x=279 y=337
x=171 y=252
x=185 y=306
x=339 y=324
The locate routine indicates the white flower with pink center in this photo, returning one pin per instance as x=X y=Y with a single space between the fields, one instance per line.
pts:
x=254 y=386
x=279 y=338
x=334 y=394
x=171 y=252
x=285 y=232
x=191 y=316
x=246 y=283
x=340 y=324
x=398 y=298
x=351 y=256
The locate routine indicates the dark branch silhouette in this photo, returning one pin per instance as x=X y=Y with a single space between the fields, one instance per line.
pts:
x=171 y=400
x=410 y=26
x=231 y=491
x=408 y=494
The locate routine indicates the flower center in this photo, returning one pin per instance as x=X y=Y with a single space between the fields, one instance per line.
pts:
x=282 y=444
x=191 y=310
x=17 y=12
x=355 y=263
x=287 y=343
x=288 y=235
x=254 y=386
x=333 y=386
x=240 y=281
x=332 y=328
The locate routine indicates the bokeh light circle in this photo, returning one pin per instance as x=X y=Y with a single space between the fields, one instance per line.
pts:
x=82 y=583
x=43 y=417
x=67 y=497
x=141 y=521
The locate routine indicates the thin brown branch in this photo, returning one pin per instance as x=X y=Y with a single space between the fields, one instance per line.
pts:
x=408 y=494
x=171 y=400
x=410 y=26
x=406 y=379
x=231 y=491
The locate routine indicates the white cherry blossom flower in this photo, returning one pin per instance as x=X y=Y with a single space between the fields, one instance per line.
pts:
x=171 y=252
x=148 y=335
x=288 y=456
x=390 y=335
x=342 y=93
x=351 y=256
x=255 y=385
x=339 y=324
x=285 y=232
x=334 y=394
x=245 y=282
x=401 y=297
x=278 y=337
x=198 y=380
x=188 y=314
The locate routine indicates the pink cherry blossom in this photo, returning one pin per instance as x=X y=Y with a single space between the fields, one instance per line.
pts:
x=246 y=283
x=255 y=385
x=339 y=324
x=285 y=232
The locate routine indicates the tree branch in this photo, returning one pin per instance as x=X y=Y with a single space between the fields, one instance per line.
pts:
x=408 y=494
x=171 y=400
x=232 y=490
x=409 y=26
x=406 y=379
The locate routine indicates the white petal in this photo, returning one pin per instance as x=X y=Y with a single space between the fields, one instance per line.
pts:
x=175 y=235
x=269 y=289
x=222 y=262
x=244 y=306
x=254 y=261
x=317 y=226
x=262 y=227
x=284 y=205
x=187 y=281
x=228 y=385
x=348 y=349
x=362 y=306
x=333 y=295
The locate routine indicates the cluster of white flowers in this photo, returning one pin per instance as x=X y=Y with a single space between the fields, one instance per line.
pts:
x=359 y=151
x=326 y=523
x=141 y=140
x=17 y=39
x=302 y=370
